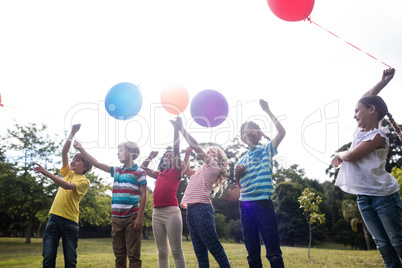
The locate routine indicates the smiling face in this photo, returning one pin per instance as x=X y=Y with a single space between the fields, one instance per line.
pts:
x=167 y=160
x=251 y=135
x=363 y=115
x=77 y=165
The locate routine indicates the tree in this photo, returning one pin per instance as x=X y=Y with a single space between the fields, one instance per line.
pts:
x=397 y=173
x=147 y=218
x=309 y=203
x=351 y=213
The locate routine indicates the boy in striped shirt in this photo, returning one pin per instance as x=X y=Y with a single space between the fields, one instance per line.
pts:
x=129 y=189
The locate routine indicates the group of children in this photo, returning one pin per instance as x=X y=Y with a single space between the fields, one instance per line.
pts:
x=362 y=173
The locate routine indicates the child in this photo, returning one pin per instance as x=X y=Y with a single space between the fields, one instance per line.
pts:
x=196 y=199
x=363 y=173
x=128 y=186
x=253 y=173
x=63 y=215
x=166 y=219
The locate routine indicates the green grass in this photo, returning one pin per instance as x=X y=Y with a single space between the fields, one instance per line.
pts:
x=98 y=253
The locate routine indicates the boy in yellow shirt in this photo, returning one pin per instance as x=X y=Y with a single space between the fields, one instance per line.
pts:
x=64 y=213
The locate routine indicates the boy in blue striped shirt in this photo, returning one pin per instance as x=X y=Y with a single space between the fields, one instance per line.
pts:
x=129 y=188
x=253 y=173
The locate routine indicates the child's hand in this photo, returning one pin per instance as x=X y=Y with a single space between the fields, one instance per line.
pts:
x=189 y=150
x=388 y=74
x=177 y=123
x=240 y=170
x=77 y=145
x=39 y=168
x=264 y=105
x=153 y=154
x=75 y=128
x=336 y=161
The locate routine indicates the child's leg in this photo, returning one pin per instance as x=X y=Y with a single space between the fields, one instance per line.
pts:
x=133 y=241
x=70 y=234
x=174 y=231
x=119 y=242
x=205 y=224
x=268 y=226
x=51 y=238
x=377 y=210
x=159 y=219
x=200 y=250
x=251 y=236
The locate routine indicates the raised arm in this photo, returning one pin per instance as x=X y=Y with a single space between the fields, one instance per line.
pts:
x=191 y=141
x=176 y=148
x=281 y=131
x=90 y=158
x=145 y=163
x=62 y=183
x=67 y=144
x=387 y=76
x=187 y=170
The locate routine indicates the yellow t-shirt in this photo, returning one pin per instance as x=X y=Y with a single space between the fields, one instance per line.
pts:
x=66 y=203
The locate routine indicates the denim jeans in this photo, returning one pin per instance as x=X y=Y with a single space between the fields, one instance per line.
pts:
x=258 y=217
x=383 y=218
x=58 y=227
x=201 y=224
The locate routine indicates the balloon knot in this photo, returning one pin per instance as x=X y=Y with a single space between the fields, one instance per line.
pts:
x=308 y=19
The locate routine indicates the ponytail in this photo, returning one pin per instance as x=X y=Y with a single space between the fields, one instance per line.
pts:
x=395 y=126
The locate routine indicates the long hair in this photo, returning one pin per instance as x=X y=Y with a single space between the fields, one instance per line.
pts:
x=382 y=110
x=161 y=167
x=222 y=160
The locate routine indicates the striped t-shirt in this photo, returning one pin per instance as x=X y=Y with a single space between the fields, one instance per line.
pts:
x=199 y=187
x=126 y=190
x=256 y=181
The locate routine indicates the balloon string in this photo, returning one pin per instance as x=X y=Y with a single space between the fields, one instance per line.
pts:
x=309 y=19
x=243 y=103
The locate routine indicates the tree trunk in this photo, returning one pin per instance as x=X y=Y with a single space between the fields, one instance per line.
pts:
x=309 y=243
x=366 y=236
x=28 y=231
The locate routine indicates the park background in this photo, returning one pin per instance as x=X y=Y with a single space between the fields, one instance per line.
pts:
x=59 y=59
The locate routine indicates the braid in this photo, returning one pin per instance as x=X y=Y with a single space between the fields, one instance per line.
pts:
x=395 y=126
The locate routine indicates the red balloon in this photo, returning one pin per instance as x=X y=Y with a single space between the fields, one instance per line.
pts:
x=174 y=98
x=291 y=10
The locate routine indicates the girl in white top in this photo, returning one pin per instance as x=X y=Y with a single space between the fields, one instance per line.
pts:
x=363 y=173
x=212 y=175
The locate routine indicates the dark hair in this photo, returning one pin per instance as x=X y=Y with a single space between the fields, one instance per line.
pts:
x=160 y=166
x=87 y=164
x=382 y=110
x=132 y=147
x=253 y=125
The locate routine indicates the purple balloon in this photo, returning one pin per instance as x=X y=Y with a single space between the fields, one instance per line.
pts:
x=209 y=108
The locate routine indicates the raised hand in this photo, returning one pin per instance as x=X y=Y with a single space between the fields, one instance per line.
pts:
x=264 y=105
x=75 y=128
x=388 y=74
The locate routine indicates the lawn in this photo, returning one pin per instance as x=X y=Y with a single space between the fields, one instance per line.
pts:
x=98 y=253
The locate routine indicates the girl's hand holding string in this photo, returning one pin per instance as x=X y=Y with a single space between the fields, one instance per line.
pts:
x=264 y=105
x=388 y=74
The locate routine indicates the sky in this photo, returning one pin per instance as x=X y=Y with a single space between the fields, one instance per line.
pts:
x=58 y=60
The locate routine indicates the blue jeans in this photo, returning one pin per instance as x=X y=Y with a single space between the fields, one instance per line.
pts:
x=258 y=217
x=201 y=224
x=58 y=227
x=383 y=218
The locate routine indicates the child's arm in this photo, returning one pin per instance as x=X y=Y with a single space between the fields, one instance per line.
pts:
x=145 y=163
x=191 y=141
x=238 y=173
x=140 y=213
x=176 y=148
x=67 y=144
x=187 y=170
x=359 y=151
x=90 y=158
x=62 y=183
x=387 y=76
x=281 y=131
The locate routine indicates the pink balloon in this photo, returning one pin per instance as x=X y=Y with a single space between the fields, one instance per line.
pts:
x=291 y=10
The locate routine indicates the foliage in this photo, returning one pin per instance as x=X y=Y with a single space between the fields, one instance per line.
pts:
x=309 y=202
x=397 y=173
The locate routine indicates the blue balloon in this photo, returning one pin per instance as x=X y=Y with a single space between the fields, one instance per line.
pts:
x=123 y=101
x=209 y=108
